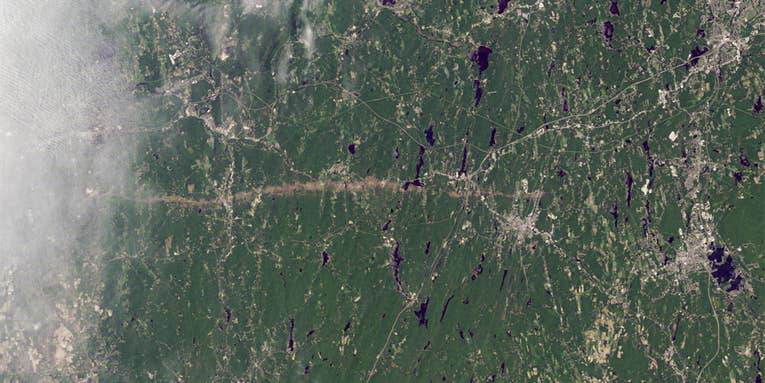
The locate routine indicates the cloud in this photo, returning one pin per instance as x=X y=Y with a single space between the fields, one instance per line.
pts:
x=68 y=119
x=308 y=35
x=65 y=105
x=273 y=8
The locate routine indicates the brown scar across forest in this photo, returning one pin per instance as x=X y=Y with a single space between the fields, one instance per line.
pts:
x=365 y=184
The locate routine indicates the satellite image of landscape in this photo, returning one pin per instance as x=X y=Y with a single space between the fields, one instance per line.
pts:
x=382 y=191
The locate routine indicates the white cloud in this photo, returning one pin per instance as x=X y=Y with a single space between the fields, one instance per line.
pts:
x=62 y=99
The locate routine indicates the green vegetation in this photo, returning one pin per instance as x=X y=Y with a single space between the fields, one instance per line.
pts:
x=562 y=232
